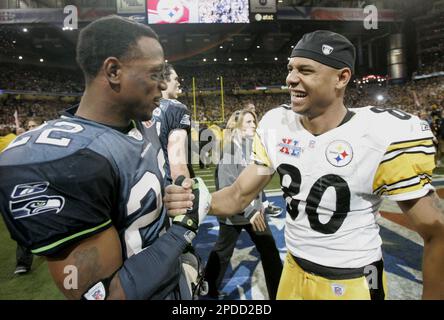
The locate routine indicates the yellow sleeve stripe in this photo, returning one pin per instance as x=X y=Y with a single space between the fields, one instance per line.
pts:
x=260 y=155
x=416 y=150
x=424 y=146
x=384 y=190
x=403 y=168
x=410 y=143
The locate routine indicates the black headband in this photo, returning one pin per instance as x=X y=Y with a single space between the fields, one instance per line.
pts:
x=326 y=47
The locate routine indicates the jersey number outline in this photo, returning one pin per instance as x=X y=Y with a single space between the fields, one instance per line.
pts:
x=394 y=112
x=292 y=188
x=147 y=183
x=44 y=137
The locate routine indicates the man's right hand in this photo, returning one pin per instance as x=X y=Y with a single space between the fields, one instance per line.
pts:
x=177 y=200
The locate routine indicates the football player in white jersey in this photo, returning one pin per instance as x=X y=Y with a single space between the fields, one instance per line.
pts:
x=335 y=166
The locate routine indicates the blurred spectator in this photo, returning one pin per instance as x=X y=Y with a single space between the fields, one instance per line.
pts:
x=34 y=122
x=6 y=137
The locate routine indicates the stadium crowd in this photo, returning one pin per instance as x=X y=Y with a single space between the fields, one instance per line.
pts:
x=40 y=79
x=424 y=98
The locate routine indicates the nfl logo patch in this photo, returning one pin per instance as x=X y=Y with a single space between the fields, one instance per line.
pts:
x=134 y=133
x=97 y=292
x=338 y=290
x=98 y=295
x=312 y=144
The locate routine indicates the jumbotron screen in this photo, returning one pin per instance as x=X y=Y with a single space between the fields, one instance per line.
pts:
x=197 y=11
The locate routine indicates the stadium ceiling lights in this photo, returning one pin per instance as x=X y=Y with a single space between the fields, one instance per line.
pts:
x=245 y=59
x=20 y=58
x=258 y=47
x=25 y=29
x=204 y=60
x=229 y=59
x=275 y=58
x=214 y=59
x=41 y=60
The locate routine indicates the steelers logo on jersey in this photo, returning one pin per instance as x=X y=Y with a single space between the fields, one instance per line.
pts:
x=339 y=153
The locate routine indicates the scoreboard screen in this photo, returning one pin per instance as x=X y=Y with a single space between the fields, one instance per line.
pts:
x=197 y=11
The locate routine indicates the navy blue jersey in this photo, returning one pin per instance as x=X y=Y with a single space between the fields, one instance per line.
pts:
x=72 y=178
x=169 y=116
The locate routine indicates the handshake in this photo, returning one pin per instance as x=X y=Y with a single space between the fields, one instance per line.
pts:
x=188 y=202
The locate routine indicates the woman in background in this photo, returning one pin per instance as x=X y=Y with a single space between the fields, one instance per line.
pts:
x=238 y=138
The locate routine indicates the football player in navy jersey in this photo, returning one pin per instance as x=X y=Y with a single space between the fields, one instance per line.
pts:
x=173 y=124
x=85 y=191
x=172 y=121
x=335 y=166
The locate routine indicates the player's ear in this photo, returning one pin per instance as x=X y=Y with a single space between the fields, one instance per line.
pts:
x=113 y=70
x=344 y=76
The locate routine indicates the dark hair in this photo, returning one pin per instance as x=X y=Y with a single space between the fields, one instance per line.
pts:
x=111 y=36
x=168 y=70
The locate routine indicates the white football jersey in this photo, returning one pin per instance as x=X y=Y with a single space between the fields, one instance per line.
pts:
x=333 y=183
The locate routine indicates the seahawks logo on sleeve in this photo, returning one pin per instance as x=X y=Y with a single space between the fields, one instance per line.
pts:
x=28 y=200
x=185 y=120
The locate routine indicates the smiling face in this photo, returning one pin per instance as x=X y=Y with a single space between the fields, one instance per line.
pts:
x=142 y=80
x=312 y=86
